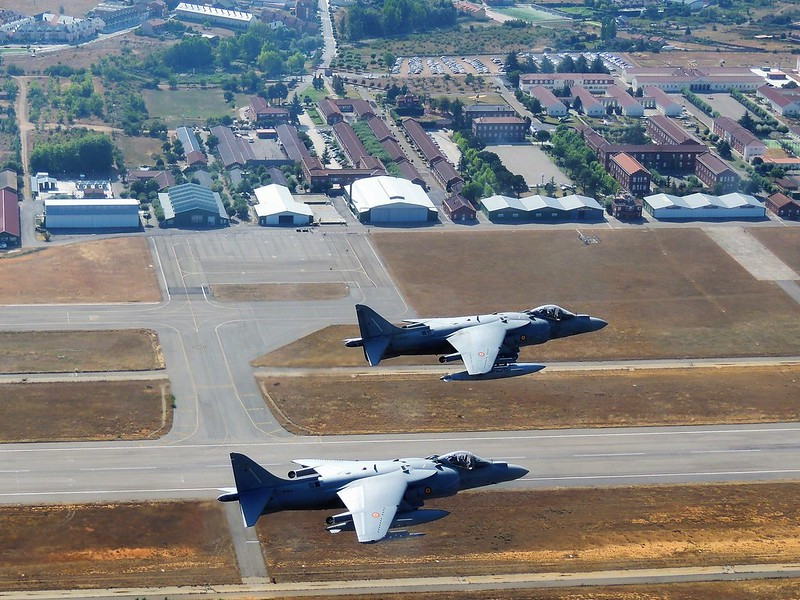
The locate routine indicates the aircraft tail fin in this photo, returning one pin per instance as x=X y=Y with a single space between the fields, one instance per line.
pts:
x=253 y=485
x=376 y=333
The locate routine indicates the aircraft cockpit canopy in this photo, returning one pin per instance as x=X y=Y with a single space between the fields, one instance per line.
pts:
x=551 y=312
x=462 y=460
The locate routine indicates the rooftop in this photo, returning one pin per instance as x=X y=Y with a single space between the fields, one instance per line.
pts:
x=629 y=164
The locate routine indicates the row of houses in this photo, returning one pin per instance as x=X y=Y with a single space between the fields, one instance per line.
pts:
x=596 y=106
x=441 y=168
x=333 y=110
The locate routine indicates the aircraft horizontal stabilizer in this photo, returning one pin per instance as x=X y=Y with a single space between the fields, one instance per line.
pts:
x=499 y=372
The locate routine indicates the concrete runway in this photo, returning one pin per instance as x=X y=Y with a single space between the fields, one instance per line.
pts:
x=208 y=347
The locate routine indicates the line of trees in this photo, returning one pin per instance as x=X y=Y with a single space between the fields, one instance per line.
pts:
x=700 y=103
x=571 y=152
x=396 y=17
x=484 y=172
x=86 y=153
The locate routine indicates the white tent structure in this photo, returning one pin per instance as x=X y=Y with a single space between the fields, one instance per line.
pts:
x=387 y=199
x=276 y=206
x=704 y=206
x=536 y=208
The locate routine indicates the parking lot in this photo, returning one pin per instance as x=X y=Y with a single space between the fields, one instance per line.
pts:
x=530 y=162
x=448 y=65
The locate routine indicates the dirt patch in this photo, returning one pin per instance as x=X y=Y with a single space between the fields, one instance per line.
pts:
x=553 y=530
x=76 y=8
x=323 y=348
x=665 y=292
x=115 y=545
x=112 y=270
x=83 y=351
x=327 y=404
x=783 y=243
x=277 y=292
x=85 y=411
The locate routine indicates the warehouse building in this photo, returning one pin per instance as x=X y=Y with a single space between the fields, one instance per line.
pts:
x=200 y=13
x=9 y=219
x=191 y=147
x=704 y=206
x=192 y=205
x=390 y=200
x=92 y=214
x=276 y=206
x=505 y=209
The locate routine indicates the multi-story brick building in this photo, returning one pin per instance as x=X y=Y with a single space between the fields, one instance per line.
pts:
x=630 y=173
x=713 y=172
x=741 y=140
x=494 y=130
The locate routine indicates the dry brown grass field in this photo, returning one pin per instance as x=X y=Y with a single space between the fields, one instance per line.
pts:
x=69 y=351
x=664 y=292
x=111 y=270
x=115 y=545
x=85 y=411
x=773 y=589
x=564 y=530
x=73 y=8
x=329 y=404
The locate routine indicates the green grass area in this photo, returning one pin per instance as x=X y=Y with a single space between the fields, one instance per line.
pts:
x=525 y=12
x=186 y=106
x=137 y=150
x=314 y=94
x=314 y=114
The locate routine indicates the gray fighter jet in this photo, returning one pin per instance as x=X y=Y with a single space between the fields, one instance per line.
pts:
x=487 y=344
x=378 y=495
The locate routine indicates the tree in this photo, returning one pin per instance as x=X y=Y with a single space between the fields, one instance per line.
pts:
x=724 y=149
x=212 y=141
x=337 y=83
x=271 y=62
x=295 y=108
x=581 y=64
x=389 y=59
x=278 y=91
x=577 y=104
x=193 y=52
x=542 y=135
x=748 y=122
x=547 y=66
x=512 y=62
x=318 y=82
x=567 y=65
x=597 y=65
x=608 y=29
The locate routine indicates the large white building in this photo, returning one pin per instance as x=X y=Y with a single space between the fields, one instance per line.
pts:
x=276 y=206
x=708 y=79
x=704 y=206
x=541 y=208
x=82 y=213
x=387 y=199
x=233 y=19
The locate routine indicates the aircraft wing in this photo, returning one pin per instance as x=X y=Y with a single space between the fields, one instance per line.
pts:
x=373 y=502
x=480 y=345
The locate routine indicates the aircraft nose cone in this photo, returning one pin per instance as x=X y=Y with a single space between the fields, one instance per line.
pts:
x=596 y=324
x=515 y=472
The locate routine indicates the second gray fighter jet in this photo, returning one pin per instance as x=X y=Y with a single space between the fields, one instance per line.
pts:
x=487 y=344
